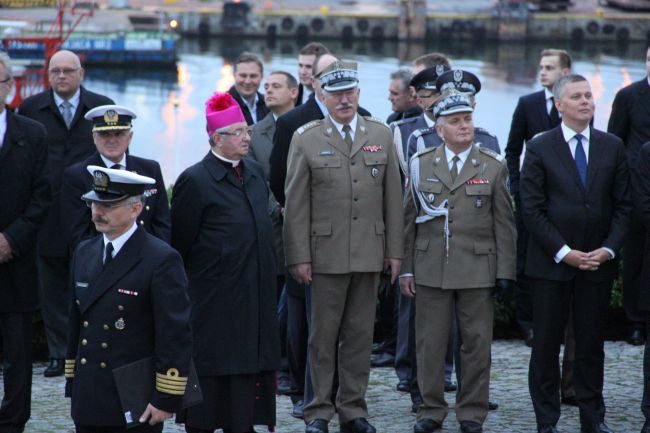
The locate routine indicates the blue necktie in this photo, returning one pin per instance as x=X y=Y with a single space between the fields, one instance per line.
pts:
x=581 y=160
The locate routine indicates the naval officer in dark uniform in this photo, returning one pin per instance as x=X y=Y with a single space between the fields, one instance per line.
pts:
x=455 y=80
x=130 y=303
x=112 y=134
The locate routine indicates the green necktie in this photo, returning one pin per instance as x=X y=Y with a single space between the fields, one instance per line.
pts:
x=347 y=137
x=454 y=168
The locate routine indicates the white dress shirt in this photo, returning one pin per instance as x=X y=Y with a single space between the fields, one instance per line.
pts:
x=119 y=241
x=108 y=163
x=339 y=127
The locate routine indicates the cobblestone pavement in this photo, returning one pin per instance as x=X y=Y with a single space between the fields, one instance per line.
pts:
x=390 y=410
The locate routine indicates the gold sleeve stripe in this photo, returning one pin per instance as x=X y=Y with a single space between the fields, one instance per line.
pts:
x=171 y=380
x=69 y=362
x=172 y=391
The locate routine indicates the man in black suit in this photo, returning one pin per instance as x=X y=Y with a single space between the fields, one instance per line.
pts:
x=644 y=293
x=249 y=72
x=112 y=143
x=534 y=113
x=130 y=304
x=630 y=121
x=576 y=206
x=26 y=195
x=69 y=140
x=306 y=58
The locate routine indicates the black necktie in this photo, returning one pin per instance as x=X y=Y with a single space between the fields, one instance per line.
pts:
x=108 y=254
x=116 y=167
x=554 y=115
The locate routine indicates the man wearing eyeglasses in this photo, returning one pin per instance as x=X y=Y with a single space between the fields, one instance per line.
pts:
x=343 y=225
x=130 y=303
x=222 y=229
x=112 y=134
x=61 y=108
x=25 y=192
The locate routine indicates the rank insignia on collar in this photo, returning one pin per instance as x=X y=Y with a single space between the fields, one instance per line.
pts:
x=375 y=148
x=437 y=159
x=362 y=128
x=474 y=162
x=328 y=130
x=120 y=324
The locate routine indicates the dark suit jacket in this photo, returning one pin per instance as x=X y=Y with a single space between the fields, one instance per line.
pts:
x=557 y=210
x=260 y=107
x=285 y=126
x=133 y=308
x=262 y=143
x=643 y=204
x=76 y=216
x=529 y=119
x=301 y=92
x=630 y=119
x=414 y=111
x=223 y=232
x=65 y=147
x=26 y=196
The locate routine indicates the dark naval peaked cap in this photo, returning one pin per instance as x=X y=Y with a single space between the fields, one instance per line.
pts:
x=459 y=81
x=452 y=103
x=426 y=78
x=110 y=117
x=110 y=185
x=339 y=76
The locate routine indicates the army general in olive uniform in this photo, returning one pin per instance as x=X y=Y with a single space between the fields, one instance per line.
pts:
x=343 y=225
x=459 y=244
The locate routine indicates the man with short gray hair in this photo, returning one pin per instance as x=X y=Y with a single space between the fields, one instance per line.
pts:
x=402 y=96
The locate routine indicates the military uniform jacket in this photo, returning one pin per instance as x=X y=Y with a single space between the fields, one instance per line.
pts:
x=76 y=216
x=26 y=195
x=402 y=130
x=135 y=307
x=481 y=223
x=343 y=206
x=65 y=147
x=223 y=231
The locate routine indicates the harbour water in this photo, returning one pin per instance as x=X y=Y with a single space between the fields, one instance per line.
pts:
x=170 y=104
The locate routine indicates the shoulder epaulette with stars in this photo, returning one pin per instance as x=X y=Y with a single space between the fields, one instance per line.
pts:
x=423 y=152
x=491 y=153
x=308 y=125
x=375 y=120
x=424 y=131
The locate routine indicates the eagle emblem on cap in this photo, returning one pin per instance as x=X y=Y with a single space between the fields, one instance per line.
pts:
x=440 y=69
x=111 y=117
x=458 y=75
x=100 y=180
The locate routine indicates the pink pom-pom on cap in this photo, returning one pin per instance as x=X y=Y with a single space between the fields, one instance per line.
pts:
x=222 y=110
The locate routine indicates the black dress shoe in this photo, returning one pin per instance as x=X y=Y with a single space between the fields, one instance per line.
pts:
x=450 y=386
x=404 y=386
x=470 y=427
x=569 y=401
x=297 y=411
x=646 y=427
x=636 y=338
x=316 y=426
x=493 y=405
x=383 y=360
x=357 y=425
x=528 y=337
x=426 y=425
x=55 y=368
x=547 y=428
x=415 y=406
x=284 y=384
x=601 y=427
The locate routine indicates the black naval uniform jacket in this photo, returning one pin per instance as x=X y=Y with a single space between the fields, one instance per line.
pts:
x=76 y=216
x=135 y=307
x=222 y=230
x=26 y=195
x=65 y=147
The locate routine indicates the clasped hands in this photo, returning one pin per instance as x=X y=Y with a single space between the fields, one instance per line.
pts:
x=587 y=261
